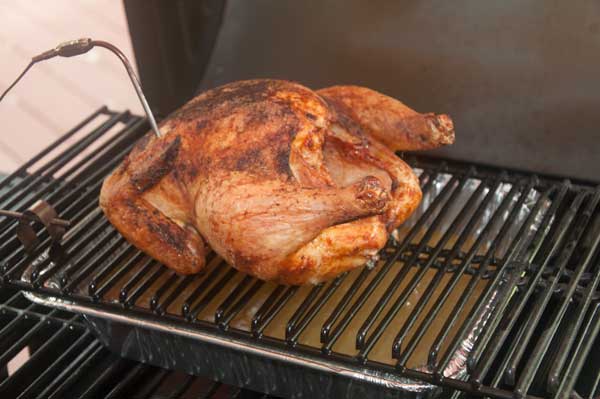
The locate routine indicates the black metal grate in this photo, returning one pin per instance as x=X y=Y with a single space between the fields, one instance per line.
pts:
x=48 y=353
x=527 y=245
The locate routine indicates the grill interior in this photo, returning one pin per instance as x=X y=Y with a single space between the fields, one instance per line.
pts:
x=482 y=236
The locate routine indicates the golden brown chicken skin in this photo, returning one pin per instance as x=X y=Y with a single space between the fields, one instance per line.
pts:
x=285 y=183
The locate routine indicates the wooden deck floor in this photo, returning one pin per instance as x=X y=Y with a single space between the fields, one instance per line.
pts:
x=57 y=94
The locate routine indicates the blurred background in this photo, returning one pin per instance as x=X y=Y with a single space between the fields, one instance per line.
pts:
x=54 y=96
x=519 y=79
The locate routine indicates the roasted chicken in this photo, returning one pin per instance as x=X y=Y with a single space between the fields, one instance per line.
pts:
x=285 y=183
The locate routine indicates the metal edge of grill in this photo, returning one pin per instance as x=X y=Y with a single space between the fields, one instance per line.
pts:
x=524 y=285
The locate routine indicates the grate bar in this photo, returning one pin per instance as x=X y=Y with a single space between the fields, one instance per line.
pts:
x=541 y=233
x=331 y=338
x=457 y=395
x=118 y=249
x=179 y=391
x=594 y=388
x=19 y=261
x=517 y=351
x=265 y=307
x=25 y=186
x=501 y=332
x=88 y=260
x=515 y=275
x=92 y=178
x=483 y=300
x=367 y=345
x=73 y=371
x=148 y=264
x=312 y=295
x=113 y=369
x=572 y=328
x=8 y=328
x=208 y=280
x=70 y=153
x=143 y=287
x=155 y=382
x=39 y=354
x=184 y=281
x=42 y=326
x=223 y=317
x=465 y=264
x=22 y=169
x=72 y=194
x=544 y=342
x=155 y=299
x=239 y=288
x=370 y=288
x=93 y=218
x=449 y=193
x=120 y=388
x=9 y=238
x=39 y=278
x=398 y=340
x=45 y=377
x=193 y=314
x=448 y=289
x=503 y=366
x=269 y=309
x=565 y=386
x=126 y=251
x=326 y=329
x=298 y=327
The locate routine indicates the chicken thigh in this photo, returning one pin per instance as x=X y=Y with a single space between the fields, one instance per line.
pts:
x=286 y=184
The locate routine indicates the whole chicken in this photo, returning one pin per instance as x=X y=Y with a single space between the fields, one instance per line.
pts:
x=285 y=183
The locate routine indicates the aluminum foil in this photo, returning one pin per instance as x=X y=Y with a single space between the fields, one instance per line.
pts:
x=248 y=364
x=469 y=188
x=457 y=367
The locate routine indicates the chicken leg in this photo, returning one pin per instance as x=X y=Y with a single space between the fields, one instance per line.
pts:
x=274 y=219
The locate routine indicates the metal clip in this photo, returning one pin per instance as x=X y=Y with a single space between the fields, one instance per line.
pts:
x=40 y=212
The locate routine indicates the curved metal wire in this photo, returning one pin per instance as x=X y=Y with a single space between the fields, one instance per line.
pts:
x=81 y=46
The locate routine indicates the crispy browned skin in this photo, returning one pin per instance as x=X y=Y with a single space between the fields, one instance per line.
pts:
x=284 y=183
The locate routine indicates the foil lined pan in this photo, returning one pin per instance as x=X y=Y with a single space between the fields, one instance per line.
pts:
x=284 y=372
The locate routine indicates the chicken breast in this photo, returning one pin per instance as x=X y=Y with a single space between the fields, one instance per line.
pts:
x=285 y=183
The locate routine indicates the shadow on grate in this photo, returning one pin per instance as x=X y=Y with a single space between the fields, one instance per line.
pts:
x=493 y=272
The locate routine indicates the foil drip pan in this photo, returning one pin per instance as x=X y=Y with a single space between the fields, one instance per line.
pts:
x=268 y=365
x=235 y=361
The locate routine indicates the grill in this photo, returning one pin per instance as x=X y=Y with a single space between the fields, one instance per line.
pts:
x=60 y=358
x=490 y=289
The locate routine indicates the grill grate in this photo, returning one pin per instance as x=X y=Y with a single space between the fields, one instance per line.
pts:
x=60 y=358
x=480 y=232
